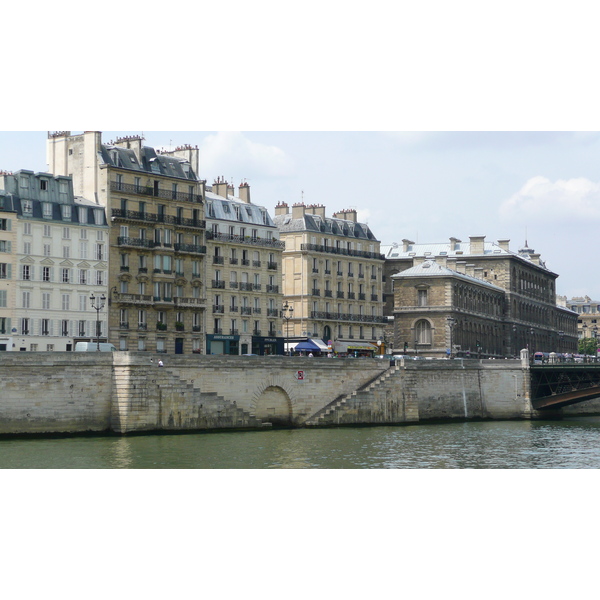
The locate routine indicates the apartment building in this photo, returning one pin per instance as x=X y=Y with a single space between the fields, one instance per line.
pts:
x=53 y=259
x=530 y=317
x=243 y=274
x=588 y=314
x=154 y=200
x=332 y=279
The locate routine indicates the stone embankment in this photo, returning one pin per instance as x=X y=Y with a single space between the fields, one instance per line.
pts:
x=125 y=392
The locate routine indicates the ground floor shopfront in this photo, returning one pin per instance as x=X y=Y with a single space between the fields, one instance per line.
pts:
x=240 y=344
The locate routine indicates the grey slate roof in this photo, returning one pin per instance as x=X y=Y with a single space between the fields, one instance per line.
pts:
x=151 y=162
x=430 y=268
x=328 y=225
x=224 y=209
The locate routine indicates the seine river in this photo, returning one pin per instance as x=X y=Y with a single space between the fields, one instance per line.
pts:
x=573 y=443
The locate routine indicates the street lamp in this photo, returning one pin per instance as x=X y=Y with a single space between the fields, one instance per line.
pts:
x=451 y=323
x=98 y=307
x=379 y=346
x=287 y=312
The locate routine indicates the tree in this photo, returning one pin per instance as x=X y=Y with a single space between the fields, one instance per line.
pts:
x=588 y=346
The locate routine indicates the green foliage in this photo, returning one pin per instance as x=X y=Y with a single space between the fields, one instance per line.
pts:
x=588 y=346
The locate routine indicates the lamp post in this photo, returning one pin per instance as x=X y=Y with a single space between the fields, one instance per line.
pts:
x=287 y=312
x=451 y=322
x=379 y=346
x=514 y=340
x=98 y=307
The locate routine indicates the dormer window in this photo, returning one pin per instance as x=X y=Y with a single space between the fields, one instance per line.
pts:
x=66 y=212
x=47 y=210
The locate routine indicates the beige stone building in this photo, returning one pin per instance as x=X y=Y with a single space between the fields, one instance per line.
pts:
x=529 y=316
x=53 y=258
x=332 y=279
x=588 y=315
x=154 y=200
x=243 y=274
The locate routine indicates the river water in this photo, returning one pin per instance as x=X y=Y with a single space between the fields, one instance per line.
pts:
x=572 y=443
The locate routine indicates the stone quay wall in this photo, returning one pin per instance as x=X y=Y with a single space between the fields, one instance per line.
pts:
x=125 y=392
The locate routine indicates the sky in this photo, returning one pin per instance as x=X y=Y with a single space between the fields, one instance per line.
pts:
x=540 y=187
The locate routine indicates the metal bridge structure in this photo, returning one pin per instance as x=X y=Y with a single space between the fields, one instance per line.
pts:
x=556 y=385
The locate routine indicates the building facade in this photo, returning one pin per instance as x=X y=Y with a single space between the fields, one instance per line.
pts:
x=244 y=291
x=332 y=279
x=588 y=315
x=154 y=200
x=53 y=259
x=528 y=316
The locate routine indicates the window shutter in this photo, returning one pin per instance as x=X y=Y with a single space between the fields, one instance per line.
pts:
x=9 y=224
x=9 y=271
x=51 y=327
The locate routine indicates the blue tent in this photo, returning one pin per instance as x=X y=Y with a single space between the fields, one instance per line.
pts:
x=308 y=345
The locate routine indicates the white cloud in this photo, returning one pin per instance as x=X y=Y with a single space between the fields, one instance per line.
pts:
x=231 y=154
x=562 y=201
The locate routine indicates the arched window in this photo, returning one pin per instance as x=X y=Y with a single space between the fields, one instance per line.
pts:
x=423 y=332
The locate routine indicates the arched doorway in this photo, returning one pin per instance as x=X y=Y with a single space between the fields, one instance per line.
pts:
x=326 y=333
x=274 y=406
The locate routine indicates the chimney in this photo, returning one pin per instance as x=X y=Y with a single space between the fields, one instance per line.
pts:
x=281 y=209
x=535 y=258
x=441 y=260
x=477 y=244
x=503 y=244
x=348 y=215
x=298 y=210
x=478 y=272
x=316 y=209
x=454 y=244
x=406 y=244
x=230 y=190
x=131 y=142
x=187 y=152
x=470 y=270
x=451 y=263
x=244 y=193
x=220 y=187
x=461 y=266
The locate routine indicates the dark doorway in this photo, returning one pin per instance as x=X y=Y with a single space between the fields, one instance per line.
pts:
x=178 y=345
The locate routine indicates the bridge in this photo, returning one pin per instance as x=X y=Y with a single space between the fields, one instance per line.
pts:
x=557 y=385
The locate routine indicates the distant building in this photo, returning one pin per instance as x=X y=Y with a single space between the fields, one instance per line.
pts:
x=53 y=257
x=154 y=201
x=332 y=278
x=528 y=316
x=244 y=274
x=588 y=315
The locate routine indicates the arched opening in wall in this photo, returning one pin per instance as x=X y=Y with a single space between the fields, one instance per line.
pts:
x=274 y=406
x=327 y=334
x=423 y=332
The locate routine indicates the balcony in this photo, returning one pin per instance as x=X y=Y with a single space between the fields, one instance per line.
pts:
x=351 y=296
x=135 y=299
x=196 y=328
x=315 y=270
x=272 y=289
x=340 y=274
x=123 y=325
x=218 y=260
x=272 y=266
x=190 y=302
x=218 y=331
x=234 y=332
x=272 y=312
x=218 y=284
x=245 y=262
x=316 y=292
x=245 y=287
x=233 y=308
x=251 y=241
x=143 y=190
x=142 y=270
x=327 y=272
x=374 y=297
x=335 y=316
x=342 y=251
x=339 y=294
x=328 y=294
x=246 y=310
x=256 y=287
x=256 y=332
x=233 y=261
x=142 y=326
x=189 y=248
x=362 y=296
x=234 y=285
x=256 y=310
x=361 y=275
x=271 y=333
x=350 y=274
x=124 y=269
x=135 y=242
x=218 y=308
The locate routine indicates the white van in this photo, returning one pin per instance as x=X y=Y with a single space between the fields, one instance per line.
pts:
x=93 y=347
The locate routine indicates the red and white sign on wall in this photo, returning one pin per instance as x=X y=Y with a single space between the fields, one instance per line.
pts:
x=300 y=375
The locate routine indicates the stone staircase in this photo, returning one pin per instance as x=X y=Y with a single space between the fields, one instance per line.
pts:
x=366 y=399
x=159 y=399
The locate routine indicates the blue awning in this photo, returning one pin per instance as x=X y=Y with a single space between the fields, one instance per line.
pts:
x=307 y=345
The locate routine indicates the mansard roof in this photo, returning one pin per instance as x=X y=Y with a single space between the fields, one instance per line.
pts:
x=228 y=209
x=328 y=225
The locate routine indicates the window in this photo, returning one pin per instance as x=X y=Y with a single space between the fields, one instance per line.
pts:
x=81 y=329
x=27 y=228
x=26 y=300
x=100 y=236
x=423 y=332
x=66 y=211
x=421 y=297
x=66 y=251
x=83 y=277
x=99 y=255
x=4 y=225
x=26 y=272
x=82 y=233
x=83 y=250
x=26 y=247
x=27 y=207
x=5 y=271
x=47 y=249
x=99 y=277
x=46 y=300
x=45 y=326
x=46 y=274
x=47 y=210
x=66 y=233
x=25 y=326
x=64 y=327
x=83 y=218
x=66 y=302
x=3 y=294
